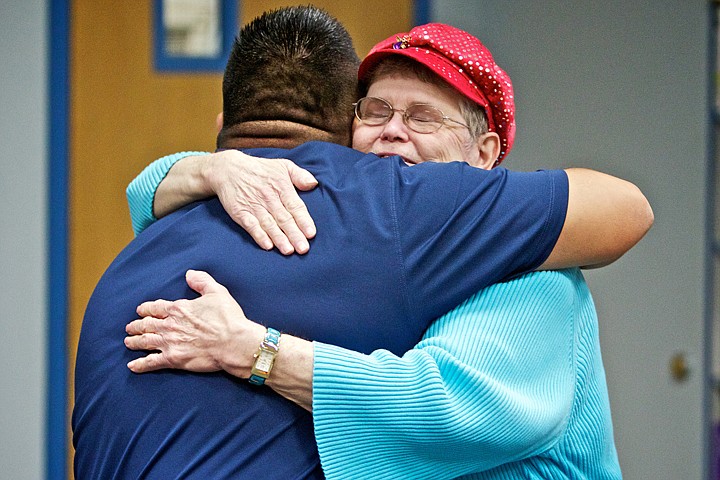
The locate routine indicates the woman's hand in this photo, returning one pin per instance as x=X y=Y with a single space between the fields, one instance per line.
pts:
x=206 y=334
x=211 y=333
x=260 y=195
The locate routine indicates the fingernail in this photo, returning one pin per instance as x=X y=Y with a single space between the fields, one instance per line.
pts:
x=303 y=247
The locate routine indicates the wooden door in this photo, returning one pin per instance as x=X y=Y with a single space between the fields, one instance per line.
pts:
x=124 y=114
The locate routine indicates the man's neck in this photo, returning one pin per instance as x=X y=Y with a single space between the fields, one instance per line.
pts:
x=271 y=134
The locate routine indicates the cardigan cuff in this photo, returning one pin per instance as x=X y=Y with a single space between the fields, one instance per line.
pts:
x=141 y=191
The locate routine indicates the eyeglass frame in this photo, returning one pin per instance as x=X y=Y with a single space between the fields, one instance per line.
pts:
x=405 y=116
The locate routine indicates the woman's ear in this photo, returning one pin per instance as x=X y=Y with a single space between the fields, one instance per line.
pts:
x=219 y=121
x=488 y=145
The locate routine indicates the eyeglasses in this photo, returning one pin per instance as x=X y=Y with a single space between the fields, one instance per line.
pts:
x=419 y=117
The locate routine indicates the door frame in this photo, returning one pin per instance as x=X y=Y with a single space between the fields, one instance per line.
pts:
x=58 y=28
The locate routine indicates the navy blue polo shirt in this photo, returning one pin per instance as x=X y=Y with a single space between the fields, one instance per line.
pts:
x=396 y=247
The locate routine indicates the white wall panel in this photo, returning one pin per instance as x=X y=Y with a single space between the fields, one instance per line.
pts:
x=23 y=219
x=621 y=87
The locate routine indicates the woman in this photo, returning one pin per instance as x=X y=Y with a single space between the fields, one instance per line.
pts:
x=485 y=394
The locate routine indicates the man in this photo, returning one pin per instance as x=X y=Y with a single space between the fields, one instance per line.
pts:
x=175 y=424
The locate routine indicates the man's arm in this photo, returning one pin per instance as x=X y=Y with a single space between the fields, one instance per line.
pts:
x=606 y=217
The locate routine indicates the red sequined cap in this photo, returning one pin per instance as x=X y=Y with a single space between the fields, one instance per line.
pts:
x=465 y=63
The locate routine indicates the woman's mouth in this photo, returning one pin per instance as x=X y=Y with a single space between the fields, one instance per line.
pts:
x=392 y=154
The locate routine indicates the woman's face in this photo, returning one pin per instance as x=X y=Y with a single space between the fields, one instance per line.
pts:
x=451 y=143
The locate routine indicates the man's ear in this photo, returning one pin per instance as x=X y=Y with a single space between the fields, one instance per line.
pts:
x=488 y=145
x=219 y=121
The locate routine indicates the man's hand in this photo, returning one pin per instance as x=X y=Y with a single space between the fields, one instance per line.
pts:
x=207 y=334
x=259 y=194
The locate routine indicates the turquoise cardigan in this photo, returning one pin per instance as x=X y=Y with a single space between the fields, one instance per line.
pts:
x=508 y=385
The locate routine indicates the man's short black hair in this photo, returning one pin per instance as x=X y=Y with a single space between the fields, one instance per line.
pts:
x=296 y=64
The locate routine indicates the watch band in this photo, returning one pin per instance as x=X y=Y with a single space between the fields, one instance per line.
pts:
x=265 y=357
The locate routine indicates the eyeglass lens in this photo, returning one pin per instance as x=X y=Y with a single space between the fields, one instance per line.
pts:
x=419 y=117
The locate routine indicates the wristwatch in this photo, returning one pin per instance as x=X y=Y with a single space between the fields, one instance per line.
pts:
x=265 y=357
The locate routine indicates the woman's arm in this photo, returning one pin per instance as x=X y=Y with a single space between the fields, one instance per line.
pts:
x=141 y=191
x=258 y=193
x=211 y=333
x=606 y=216
x=486 y=386
x=492 y=382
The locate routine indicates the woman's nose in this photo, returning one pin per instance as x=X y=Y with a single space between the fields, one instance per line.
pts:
x=395 y=129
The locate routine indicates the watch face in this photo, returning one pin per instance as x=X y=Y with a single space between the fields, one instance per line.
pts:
x=264 y=361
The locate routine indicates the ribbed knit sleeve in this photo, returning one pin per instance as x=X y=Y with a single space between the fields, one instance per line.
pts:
x=491 y=382
x=141 y=191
